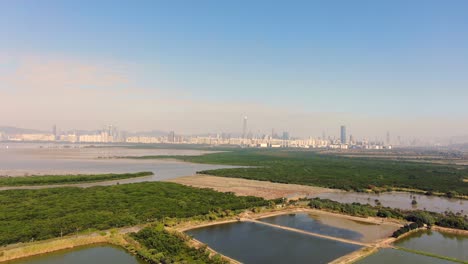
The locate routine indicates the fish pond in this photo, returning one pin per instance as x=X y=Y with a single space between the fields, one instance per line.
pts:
x=95 y=254
x=336 y=226
x=391 y=256
x=440 y=243
x=257 y=243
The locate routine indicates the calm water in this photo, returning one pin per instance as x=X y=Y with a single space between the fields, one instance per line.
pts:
x=333 y=226
x=445 y=244
x=90 y=255
x=21 y=159
x=401 y=200
x=391 y=256
x=257 y=243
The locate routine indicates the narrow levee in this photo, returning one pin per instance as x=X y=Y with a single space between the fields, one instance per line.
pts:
x=307 y=232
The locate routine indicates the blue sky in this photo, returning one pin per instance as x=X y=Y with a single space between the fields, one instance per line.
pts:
x=380 y=59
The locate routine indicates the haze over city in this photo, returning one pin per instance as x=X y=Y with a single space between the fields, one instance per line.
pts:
x=304 y=68
x=228 y=132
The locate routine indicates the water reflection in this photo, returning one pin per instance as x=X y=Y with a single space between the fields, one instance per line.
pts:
x=257 y=243
x=335 y=226
x=21 y=159
x=96 y=254
x=391 y=256
x=445 y=244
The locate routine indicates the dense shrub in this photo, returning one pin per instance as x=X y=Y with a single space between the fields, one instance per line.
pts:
x=309 y=168
x=27 y=215
x=448 y=219
x=161 y=246
x=67 y=179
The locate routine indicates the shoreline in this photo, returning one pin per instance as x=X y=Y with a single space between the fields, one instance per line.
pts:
x=20 y=251
x=77 y=185
x=449 y=230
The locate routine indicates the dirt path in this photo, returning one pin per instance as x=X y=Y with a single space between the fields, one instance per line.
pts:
x=244 y=187
x=307 y=232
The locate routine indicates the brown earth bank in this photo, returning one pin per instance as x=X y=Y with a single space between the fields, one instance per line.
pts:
x=23 y=250
x=450 y=230
x=244 y=187
x=355 y=255
x=269 y=190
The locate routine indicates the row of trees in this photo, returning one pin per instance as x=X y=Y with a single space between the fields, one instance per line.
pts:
x=406 y=228
x=67 y=179
x=419 y=217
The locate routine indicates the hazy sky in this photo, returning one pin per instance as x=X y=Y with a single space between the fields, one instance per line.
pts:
x=199 y=66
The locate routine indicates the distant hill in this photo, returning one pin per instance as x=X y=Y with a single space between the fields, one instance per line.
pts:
x=17 y=130
x=459 y=139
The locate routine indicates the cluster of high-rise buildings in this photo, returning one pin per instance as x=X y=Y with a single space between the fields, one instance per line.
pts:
x=110 y=134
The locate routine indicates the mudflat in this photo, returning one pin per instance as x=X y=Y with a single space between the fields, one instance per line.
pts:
x=244 y=187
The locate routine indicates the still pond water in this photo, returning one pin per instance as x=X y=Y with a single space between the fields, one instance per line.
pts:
x=392 y=256
x=333 y=226
x=445 y=244
x=257 y=243
x=97 y=254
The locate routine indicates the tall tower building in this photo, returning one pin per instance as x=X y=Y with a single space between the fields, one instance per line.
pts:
x=244 y=128
x=54 y=131
x=171 y=137
x=388 y=138
x=343 y=135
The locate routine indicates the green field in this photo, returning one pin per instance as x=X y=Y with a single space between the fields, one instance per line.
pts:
x=29 y=215
x=310 y=168
x=67 y=179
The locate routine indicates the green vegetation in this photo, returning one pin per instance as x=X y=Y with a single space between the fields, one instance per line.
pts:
x=310 y=168
x=67 y=179
x=406 y=228
x=419 y=217
x=28 y=215
x=161 y=246
x=430 y=255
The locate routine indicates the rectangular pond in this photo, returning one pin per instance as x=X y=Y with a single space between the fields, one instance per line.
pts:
x=445 y=244
x=331 y=225
x=256 y=243
x=93 y=254
x=391 y=256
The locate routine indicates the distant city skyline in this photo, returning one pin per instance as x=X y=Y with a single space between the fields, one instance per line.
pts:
x=339 y=136
x=305 y=67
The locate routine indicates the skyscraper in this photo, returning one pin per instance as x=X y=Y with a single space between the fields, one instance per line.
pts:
x=171 y=137
x=244 y=128
x=343 y=134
